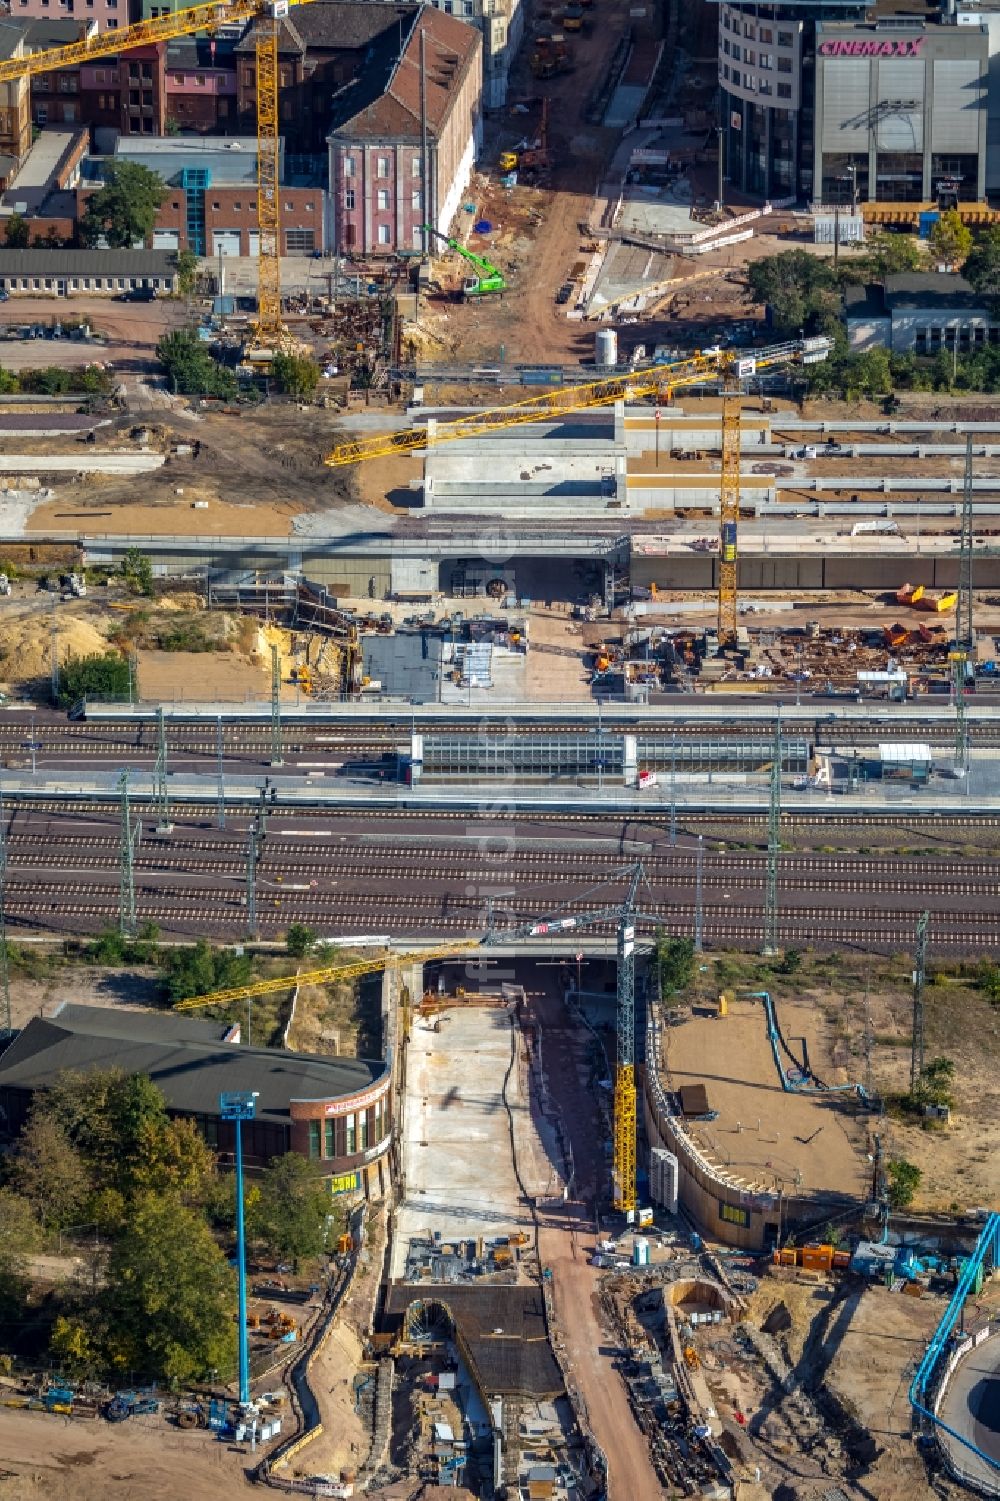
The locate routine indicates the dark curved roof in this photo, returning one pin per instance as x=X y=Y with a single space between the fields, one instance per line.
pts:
x=187 y=1059
x=501 y=1328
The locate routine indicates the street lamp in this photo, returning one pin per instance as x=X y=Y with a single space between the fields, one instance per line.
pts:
x=238 y=1107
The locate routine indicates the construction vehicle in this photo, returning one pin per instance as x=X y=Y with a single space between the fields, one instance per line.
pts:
x=623 y=916
x=549 y=64
x=531 y=158
x=489 y=278
x=269 y=334
x=730 y=366
x=124 y=1405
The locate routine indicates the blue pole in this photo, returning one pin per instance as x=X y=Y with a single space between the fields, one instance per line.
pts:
x=241 y=1271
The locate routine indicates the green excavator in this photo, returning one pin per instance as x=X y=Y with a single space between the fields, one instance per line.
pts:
x=488 y=280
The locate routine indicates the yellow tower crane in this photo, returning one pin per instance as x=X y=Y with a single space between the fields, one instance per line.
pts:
x=730 y=367
x=269 y=331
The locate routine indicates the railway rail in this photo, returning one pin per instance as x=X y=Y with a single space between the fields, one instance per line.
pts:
x=134 y=742
x=63 y=876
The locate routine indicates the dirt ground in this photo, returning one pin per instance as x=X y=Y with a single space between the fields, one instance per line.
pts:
x=204 y=677
x=130 y=331
x=838 y=1001
x=85 y=985
x=769 y=1138
x=859 y=1343
x=43 y=1456
x=565 y=1239
x=959 y=1161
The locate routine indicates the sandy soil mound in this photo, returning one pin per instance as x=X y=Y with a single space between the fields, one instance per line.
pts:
x=26 y=645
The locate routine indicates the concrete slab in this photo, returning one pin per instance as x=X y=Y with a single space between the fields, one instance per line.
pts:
x=657 y=210
x=458 y=1174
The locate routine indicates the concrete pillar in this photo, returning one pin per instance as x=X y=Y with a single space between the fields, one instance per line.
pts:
x=630 y=762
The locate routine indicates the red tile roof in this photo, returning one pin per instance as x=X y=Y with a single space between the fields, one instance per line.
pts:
x=451 y=49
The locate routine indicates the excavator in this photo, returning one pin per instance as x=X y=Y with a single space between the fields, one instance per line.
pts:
x=489 y=279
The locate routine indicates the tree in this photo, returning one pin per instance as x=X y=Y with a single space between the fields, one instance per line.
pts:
x=982 y=266
x=290 y=1215
x=49 y=1172
x=175 y=1159
x=799 y=289
x=675 y=957
x=191 y=370
x=300 y=940
x=97 y=675
x=934 y=1085
x=17 y=234
x=169 y=1298
x=889 y=255
x=950 y=239
x=296 y=375
x=201 y=969
x=123 y=210
x=137 y=571
x=868 y=374
x=904 y=1180
x=107 y=1115
x=19 y=1236
x=186 y=262
x=988 y=980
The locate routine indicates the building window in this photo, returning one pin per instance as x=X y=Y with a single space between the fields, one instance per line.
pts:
x=314 y=1142
x=310 y=207
x=199 y=79
x=784 y=64
x=216 y=205
x=785 y=39
x=363 y=1131
x=349 y=201
x=766 y=34
x=300 y=241
x=348 y=166
x=416 y=166
x=415 y=200
x=351 y=1136
x=384 y=234
x=382 y=166
x=288 y=208
x=784 y=91
x=328 y=1145
x=237 y=206
x=383 y=199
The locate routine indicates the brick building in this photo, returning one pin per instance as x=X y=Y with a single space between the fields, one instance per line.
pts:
x=105 y=15
x=201 y=85
x=336 y=1112
x=378 y=180
x=211 y=207
x=322 y=47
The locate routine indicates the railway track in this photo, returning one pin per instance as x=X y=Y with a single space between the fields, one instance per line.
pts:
x=135 y=742
x=63 y=875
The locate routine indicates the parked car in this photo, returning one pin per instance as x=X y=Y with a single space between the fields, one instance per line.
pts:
x=565 y=292
x=137 y=294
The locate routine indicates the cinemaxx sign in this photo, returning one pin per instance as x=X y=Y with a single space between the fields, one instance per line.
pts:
x=867 y=47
